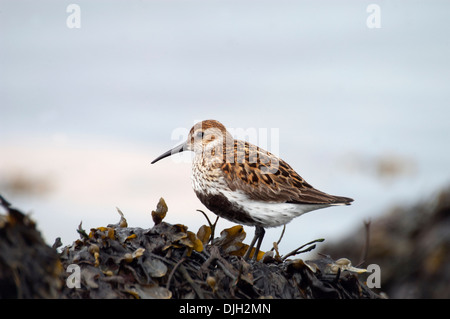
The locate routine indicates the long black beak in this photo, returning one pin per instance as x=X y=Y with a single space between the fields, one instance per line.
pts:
x=177 y=149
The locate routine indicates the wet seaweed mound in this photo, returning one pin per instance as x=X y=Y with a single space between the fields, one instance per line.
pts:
x=29 y=268
x=412 y=246
x=164 y=261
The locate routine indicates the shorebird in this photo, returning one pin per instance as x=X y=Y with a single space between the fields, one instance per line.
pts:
x=245 y=184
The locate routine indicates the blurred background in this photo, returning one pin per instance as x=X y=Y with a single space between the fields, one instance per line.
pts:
x=361 y=112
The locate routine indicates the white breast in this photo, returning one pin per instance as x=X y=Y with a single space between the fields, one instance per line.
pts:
x=265 y=214
x=269 y=214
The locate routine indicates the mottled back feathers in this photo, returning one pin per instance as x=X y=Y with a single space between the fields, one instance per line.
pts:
x=263 y=176
x=252 y=170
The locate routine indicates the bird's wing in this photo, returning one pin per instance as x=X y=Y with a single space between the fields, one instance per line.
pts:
x=262 y=176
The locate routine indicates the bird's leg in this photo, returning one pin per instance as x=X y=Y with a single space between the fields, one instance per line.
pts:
x=249 y=250
x=259 y=231
x=259 y=234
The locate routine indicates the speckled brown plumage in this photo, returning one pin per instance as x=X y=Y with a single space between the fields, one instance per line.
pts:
x=275 y=183
x=257 y=172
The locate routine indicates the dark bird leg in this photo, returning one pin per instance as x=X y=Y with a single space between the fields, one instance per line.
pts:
x=259 y=231
x=259 y=235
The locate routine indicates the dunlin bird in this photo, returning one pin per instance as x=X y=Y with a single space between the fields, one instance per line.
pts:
x=245 y=184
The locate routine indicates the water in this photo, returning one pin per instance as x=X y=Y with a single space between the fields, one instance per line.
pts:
x=360 y=112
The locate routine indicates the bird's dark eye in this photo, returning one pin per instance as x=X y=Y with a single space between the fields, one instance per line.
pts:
x=200 y=134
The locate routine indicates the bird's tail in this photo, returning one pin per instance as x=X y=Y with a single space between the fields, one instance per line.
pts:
x=340 y=200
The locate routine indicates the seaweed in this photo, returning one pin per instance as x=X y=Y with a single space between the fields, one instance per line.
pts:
x=162 y=262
